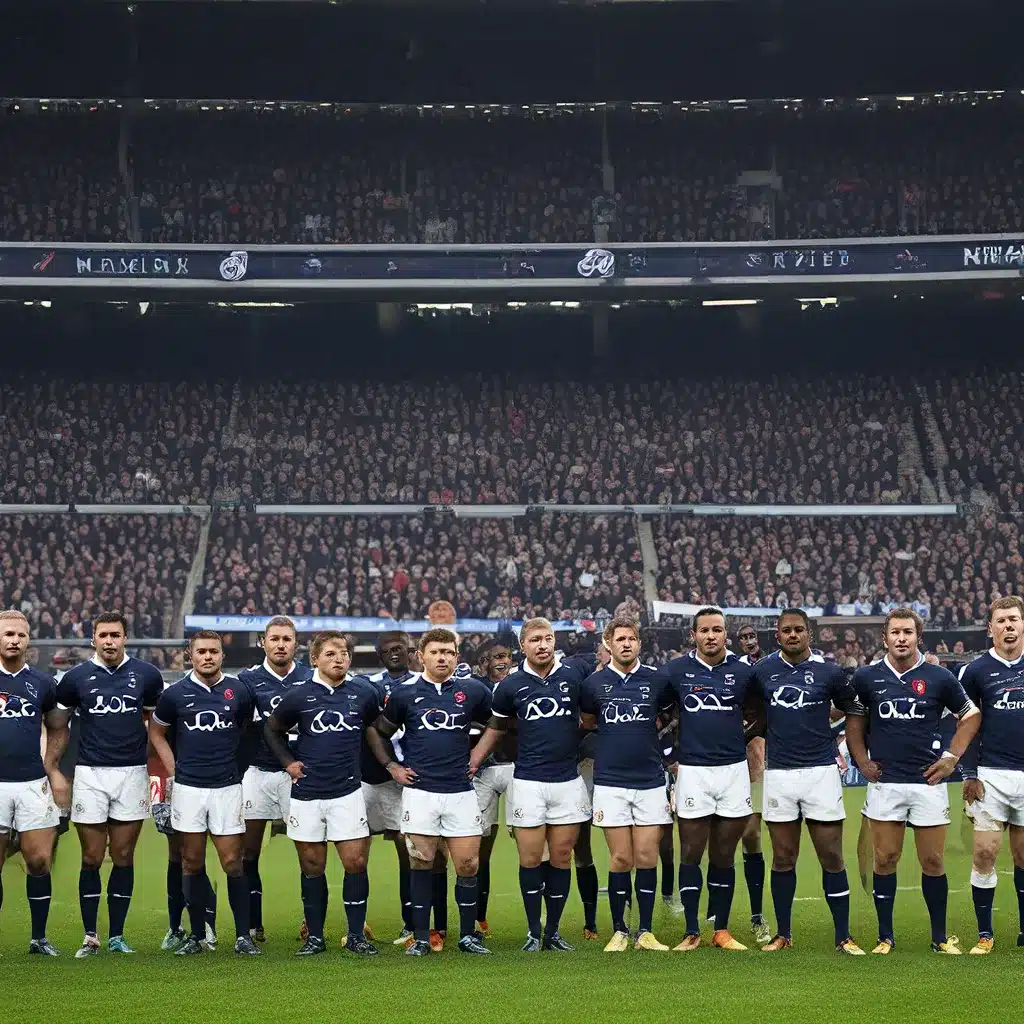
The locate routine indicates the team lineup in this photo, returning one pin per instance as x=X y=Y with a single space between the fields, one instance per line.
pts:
x=422 y=756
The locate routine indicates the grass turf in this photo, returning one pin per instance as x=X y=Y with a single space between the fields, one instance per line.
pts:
x=809 y=982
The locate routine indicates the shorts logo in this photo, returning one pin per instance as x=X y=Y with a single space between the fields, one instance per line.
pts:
x=293 y=821
x=405 y=817
x=44 y=787
x=599 y=816
x=945 y=813
x=749 y=803
x=772 y=802
x=248 y=805
x=79 y=808
x=689 y=802
x=229 y=693
x=919 y=686
x=477 y=820
x=460 y=697
x=517 y=813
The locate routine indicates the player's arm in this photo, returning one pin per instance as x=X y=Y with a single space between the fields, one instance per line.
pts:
x=974 y=788
x=589 y=706
x=968 y=723
x=503 y=709
x=755 y=722
x=162 y=719
x=151 y=690
x=275 y=731
x=386 y=725
x=55 y=720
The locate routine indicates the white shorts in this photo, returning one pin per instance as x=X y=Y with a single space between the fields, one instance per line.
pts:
x=916 y=803
x=383 y=806
x=617 y=807
x=586 y=769
x=217 y=811
x=1003 y=803
x=328 y=821
x=814 y=794
x=101 y=794
x=448 y=815
x=490 y=783
x=265 y=795
x=26 y=806
x=531 y=804
x=713 y=789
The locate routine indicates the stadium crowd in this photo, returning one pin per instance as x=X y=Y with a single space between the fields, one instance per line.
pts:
x=386 y=178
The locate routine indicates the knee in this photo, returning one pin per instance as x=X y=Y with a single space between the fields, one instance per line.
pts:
x=123 y=858
x=784 y=859
x=832 y=861
x=466 y=867
x=752 y=843
x=90 y=861
x=355 y=864
x=885 y=862
x=985 y=860
x=529 y=859
x=583 y=858
x=620 y=862
x=37 y=865
x=933 y=863
x=192 y=865
x=232 y=864
x=560 y=857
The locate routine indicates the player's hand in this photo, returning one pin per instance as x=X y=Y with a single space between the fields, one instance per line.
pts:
x=61 y=789
x=402 y=775
x=295 y=770
x=474 y=767
x=841 y=762
x=941 y=769
x=974 y=789
x=871 y=770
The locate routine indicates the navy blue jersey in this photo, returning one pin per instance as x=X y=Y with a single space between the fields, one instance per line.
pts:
x=798 y=701
x=547 y=714
x=436 y=744
x=711 y=700
x=267 y=690
x=373 y=772
x=24 y=698
x=997 y=689
x=627 y=747
x=207 y=723
x=110 y=702
x=331 y=721
x=905 y=712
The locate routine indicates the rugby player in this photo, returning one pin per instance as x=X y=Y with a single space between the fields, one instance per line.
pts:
x=753 y=857
x=494 y=777
x=114 y=696
x=622 y=703
x=327 y=803
x=715 y=696
x=547 y=799
x=208 y=712
x=905 y=697
x=801 y=778
x=266 y=789
x=31 y=784
x=438 y=712
x=994 y=762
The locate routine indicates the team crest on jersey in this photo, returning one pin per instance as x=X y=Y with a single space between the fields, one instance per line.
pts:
x=809 y=678
x=32 y=691
x=4 y=698
x=730 y=679
x=918 y=686
x=228 y=694
x=460 y=697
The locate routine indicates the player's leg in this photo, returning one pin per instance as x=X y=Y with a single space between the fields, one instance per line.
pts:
x=252 y=847
x=404 y=885
x=460 y=827
x=667 y=856
x=175 y=895
x=988 y=837
x=422 y=850
x=620 y=867
x=229 y=852
x=487 y=842
x=92 y=838
x=753 y=874
x=646 y=842
x=313 y=866
x=723 y=838
x=355 y=892
x=530 y=843
x=1017 y=852
x=586 y=879
x=124 y=838
x=693 y=840
x=439 y=897
x=930 y=842
x=886 y=847
x=37 y=852
x=785 y=836
x=827 y=837
x=561 y=839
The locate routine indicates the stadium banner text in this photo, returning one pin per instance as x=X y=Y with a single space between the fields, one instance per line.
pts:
x=514 y=267
x=320 y=623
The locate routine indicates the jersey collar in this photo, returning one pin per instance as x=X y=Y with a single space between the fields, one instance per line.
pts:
x=323 y=682
x=100 y=663
x=270 y=671
x=889 y=666
x=536 y=675
x=711 y=668
x=1002 y=661
x=817 y=658
x=13 y=674
x=206 y=686
x=625 y=675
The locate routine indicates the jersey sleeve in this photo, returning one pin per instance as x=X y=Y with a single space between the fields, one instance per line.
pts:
x=67 y=692
x=287 y=712
x=48 y=697
x=166 y=710
x=503 y=702
x=861 y=691
x=589 y=703
x=954 y=698
x=843 y=695
x=668 y=701
x=152 y=687
x=373 y=704
x=481 y=704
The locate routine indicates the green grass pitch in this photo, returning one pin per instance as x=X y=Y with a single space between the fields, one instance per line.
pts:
x=808 y=983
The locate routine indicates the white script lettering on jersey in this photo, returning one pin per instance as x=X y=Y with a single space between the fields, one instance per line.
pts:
x=695 y=702
x=612 y=714
x=545 y=707
x=207 y=721
x=330 y=721
x=792 y=697
x=435 y=719
x=904 y=708
x=114 y=705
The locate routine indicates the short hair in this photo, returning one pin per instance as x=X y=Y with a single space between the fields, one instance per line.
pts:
x=904 y=613
x=705 y=611
x=391 y=636
x=1002 y=604
x=282 y=622
x=322 y=639
x=439 y=635
x=532 y=624
x=799 y=613
x=13 y=613
x=108 y=619
x=443 y=609
x=205 y=634
x=620 y=622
